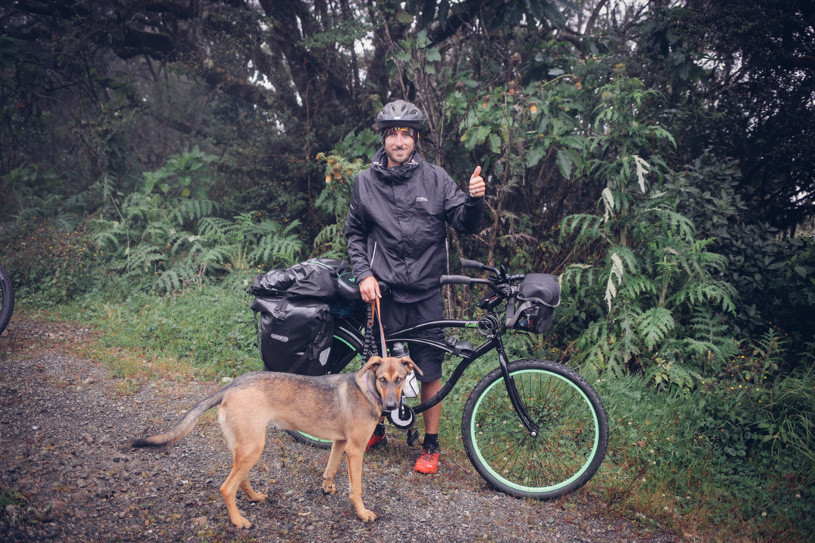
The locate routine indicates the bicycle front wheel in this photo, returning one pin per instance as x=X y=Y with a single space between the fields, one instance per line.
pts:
x=570 y=444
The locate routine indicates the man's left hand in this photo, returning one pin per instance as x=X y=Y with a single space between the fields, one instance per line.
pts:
x=477 y=185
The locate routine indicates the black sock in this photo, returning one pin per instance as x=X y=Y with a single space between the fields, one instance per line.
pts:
x=431 y=442
x=379 y=430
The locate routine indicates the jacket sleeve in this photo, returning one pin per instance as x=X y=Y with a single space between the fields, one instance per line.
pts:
x=462 y=211
x=357 y=236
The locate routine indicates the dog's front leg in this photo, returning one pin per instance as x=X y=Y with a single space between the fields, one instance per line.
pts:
x=334 y=459
x=354 y=453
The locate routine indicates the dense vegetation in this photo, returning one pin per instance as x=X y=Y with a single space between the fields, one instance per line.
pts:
x=656 y=155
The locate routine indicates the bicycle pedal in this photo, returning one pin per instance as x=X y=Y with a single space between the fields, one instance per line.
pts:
x=412 y=437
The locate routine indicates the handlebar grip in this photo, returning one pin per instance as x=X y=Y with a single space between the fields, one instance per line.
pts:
x=459 y=280
x=471 y=264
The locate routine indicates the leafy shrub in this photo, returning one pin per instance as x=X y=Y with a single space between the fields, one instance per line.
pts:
x=168 y=236
x=47 y=264
x=646 y=299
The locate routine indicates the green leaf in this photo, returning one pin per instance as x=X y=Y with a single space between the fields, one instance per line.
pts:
x=404 y=17
x=564 y=163
x=495 y=143
x=535 y=155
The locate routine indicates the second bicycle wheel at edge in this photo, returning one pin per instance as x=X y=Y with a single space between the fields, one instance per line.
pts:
x=570 y=445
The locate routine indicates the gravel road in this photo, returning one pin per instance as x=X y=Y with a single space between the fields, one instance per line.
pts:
x=68 y=473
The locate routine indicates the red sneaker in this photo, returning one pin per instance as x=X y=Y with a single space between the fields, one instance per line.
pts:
x=376 y=441
x=428 y=463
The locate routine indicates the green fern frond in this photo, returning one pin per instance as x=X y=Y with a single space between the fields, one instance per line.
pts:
x=168 y=281
x=214 y=228
x=654 y=325
x=191 y=209
x=217 y=255
x=107 y=239
x=328 y=235
x=638 y=285
x=276 y=248
x=143 y=257
x=716 y=292
x=584 y=227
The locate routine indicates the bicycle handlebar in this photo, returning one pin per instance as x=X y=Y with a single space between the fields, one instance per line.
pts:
x=498 y=284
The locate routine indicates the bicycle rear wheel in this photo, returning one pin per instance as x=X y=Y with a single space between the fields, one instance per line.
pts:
x=6 y=298
x=569 y=447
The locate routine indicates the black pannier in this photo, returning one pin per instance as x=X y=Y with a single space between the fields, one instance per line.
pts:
x=294 y=335
x=295 y=306
x=532 y=309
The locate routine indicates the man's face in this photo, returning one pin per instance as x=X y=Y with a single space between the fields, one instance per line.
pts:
x=399 y=147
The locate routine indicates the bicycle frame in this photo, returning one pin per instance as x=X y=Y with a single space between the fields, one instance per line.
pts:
x=494 y=341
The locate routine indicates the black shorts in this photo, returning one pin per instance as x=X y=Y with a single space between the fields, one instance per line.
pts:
x=396 y=316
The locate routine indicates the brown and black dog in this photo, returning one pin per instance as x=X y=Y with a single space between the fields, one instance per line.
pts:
x=343 y=408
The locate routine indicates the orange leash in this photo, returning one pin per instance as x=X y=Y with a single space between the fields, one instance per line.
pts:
x=376 y=312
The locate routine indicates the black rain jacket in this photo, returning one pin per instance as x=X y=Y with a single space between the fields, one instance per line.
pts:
x=396 y=224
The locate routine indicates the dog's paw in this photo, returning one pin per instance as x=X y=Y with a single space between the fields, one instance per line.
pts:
x=242 y=523
x=366 y=515
x=329 y=487
x=258 y=497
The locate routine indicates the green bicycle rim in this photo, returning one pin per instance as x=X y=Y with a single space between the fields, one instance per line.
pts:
x=543 y=489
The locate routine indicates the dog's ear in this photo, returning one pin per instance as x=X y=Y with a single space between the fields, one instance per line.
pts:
x=372 y=364
x=408 y=363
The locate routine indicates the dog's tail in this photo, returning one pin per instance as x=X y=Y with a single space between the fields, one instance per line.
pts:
x=183 y=427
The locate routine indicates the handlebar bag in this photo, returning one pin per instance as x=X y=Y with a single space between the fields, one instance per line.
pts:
x=532 y=309
x=316 y=278
x=294 y=335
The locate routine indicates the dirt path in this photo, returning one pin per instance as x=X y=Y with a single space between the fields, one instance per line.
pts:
x=68 y=473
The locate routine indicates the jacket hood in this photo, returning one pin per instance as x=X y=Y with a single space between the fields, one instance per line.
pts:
x=398 y=174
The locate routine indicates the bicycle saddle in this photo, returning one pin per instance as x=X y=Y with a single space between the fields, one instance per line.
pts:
x=348 y=288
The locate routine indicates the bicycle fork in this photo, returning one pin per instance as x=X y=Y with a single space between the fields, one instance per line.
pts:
x=512 y=390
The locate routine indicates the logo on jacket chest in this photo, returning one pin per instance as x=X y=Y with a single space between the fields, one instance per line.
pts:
x=421 y=199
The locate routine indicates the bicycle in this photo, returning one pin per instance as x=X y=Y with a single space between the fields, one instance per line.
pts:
x=6 y=298
x=531 y=428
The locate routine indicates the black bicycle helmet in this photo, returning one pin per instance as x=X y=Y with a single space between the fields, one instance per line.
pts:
x=399 y=113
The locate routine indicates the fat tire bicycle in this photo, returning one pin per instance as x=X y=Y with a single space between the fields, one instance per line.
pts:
x=6 y=298
x=531 y=428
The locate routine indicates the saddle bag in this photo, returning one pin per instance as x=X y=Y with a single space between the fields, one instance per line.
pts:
x=294 y=336
x=532 y=309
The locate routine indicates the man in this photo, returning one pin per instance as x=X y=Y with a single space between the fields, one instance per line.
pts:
x=396 y=230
